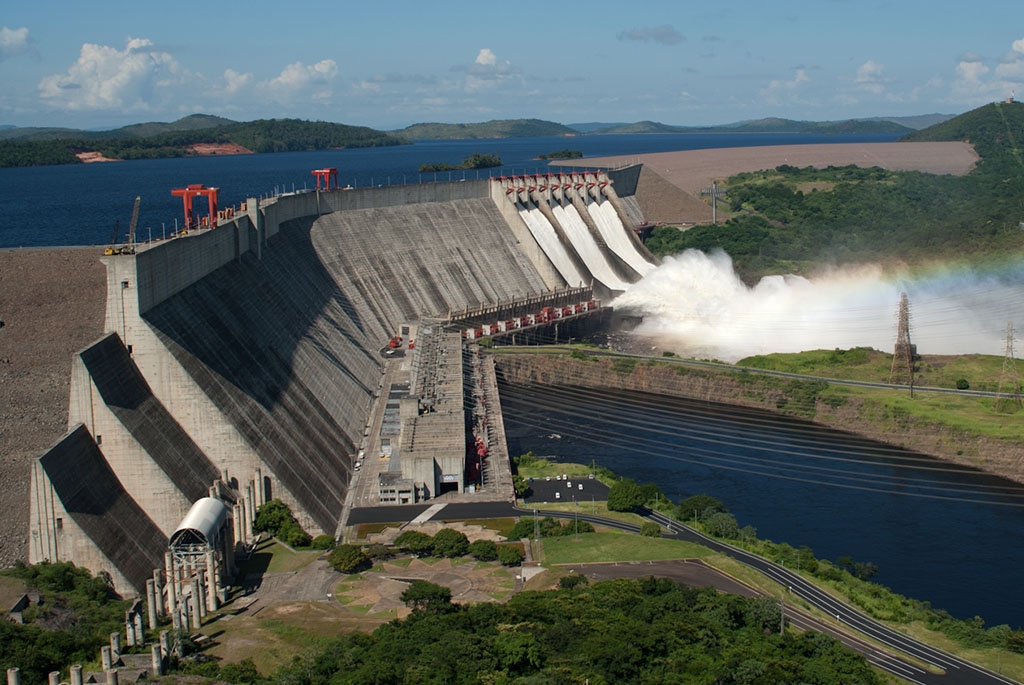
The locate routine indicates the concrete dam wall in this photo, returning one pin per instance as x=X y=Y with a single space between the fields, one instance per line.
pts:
x=241 y=361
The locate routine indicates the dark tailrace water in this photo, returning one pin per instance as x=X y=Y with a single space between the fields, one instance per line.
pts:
x=937 y=532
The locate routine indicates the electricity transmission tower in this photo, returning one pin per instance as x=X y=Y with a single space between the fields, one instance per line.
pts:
x=1008 y=396
x=902 y=372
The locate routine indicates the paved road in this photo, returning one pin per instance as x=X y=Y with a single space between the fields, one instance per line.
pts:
x=956 y=671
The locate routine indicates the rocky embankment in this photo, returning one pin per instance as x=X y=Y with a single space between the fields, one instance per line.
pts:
x=997 y=457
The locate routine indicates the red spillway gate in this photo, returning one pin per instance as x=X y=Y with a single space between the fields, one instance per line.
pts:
x=189 y=193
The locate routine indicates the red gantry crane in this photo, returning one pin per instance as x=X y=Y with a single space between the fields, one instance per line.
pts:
x=189 y=193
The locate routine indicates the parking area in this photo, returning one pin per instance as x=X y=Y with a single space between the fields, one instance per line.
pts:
x=569 y=489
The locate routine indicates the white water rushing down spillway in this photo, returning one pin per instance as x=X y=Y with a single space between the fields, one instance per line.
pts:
x=695 y=305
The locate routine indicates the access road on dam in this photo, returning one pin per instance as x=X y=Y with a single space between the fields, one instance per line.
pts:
x=849 y=622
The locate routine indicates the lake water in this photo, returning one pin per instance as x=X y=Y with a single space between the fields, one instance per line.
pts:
x=944 y=535
x=79 y=204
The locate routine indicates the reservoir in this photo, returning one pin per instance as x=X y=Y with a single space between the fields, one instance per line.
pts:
x=937 y=532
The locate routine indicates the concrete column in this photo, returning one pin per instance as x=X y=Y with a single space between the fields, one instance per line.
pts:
x=129 y=631
x=151 y=603
x=14 y=676
x=157 y=661
x=115 y=646
x=105 y=661
x=260 y=492
x=172 y=582
x=236 y=520
x=112 y=676
x=212 y=581
x=158 y=592
x=76 y=674
x=203 y=583
x=53 y=678
x=165 y=643
x=140 y=632
x=175 y=615
x=250 y=500
x=194 y=606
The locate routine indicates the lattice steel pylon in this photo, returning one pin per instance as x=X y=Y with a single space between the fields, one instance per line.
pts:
x=1008 y=396
x=902 y=372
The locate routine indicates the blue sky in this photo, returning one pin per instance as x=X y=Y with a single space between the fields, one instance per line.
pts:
x=387 y=65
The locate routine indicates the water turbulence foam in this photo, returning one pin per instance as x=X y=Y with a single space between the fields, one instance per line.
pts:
x=695 y=305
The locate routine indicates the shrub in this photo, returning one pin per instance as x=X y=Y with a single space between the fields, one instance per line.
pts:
x=377 y=552
x=415 y=542
x=322 y=542
x=573 y=581
x=962 y=384
x=450 y=543
x=483 y=550
x=510 y=555
x=650 y=529
x=348 y=559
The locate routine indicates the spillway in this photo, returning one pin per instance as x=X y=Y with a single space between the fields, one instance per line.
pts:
x=545 y=235
x=615 y=237
x=587 y=248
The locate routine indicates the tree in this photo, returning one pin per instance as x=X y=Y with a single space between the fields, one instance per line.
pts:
x=699 y=507
x=450 y=543
x=723 y=525
x=415 y=542
x=483 y=550
x=348 y=559
x=625 y=495
x=275 y=517
x=422 y=595
x=510 y=555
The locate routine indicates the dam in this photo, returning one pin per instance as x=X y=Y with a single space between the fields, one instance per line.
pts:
x=282 y=347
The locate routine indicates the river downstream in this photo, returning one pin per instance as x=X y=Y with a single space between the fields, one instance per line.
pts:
x=937 y=532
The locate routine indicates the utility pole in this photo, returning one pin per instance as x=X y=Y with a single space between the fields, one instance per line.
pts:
x=902 y=371
x=1008 y=396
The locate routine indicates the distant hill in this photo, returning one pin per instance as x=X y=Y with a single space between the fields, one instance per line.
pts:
x=498 y=128
x=916 y=122
x=767 y=125
x=193 y=122
x=177 y=139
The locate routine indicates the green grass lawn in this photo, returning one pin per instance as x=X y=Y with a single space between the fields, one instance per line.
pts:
x=590 y=548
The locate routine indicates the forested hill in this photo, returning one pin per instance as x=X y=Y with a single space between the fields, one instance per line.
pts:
x=995 y=130
x=789 y=220
x=499 y=128
x=144 y=141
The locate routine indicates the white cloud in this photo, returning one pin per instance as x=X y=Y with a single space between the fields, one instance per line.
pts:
x=13 y=42
x=298 y=81
x=1018 y=45
x=780 y=92
x=138 y=78
x=870 y=78
x=486 y=57
x=235 y=82
x=487 y=71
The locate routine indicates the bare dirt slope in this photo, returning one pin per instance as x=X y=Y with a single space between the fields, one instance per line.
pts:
x=691 y=170
x=52 y=305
